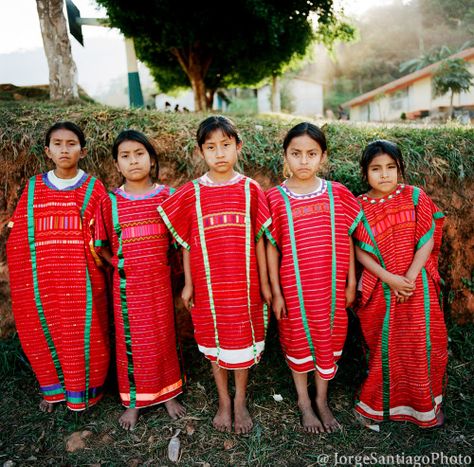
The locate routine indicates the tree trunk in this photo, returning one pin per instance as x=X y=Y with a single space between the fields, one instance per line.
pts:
x=195 y=62
x=62 y=69
x=210 y=98
x=451 y=107
x=199 y=90
x=275 y=97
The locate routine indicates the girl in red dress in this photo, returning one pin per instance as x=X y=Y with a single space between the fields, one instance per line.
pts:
x=403 y=326
x=311 y=265
x=220 y=220
x=131 y=236
x=58 y=292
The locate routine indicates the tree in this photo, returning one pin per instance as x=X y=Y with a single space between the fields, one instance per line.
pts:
x=435 y=55
x=208 y=47
x=453 y=76
x=62 y=69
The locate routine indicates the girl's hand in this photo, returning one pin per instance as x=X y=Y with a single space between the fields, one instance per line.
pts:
x=401 y=286
x=187 y=296
x=402 y=299
x=266 y=292
x=350 y=292
x=279 y=307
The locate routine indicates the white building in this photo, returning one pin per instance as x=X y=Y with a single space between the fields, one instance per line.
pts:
x=412 y=95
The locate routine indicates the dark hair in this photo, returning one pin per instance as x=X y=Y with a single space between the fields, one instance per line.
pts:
x=65 y=126
x=216 y=122
x=378 y=147
x=134 y=135
x=306 y=128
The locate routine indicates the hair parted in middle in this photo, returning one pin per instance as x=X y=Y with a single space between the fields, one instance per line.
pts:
x=377 y=148
x=216 y=122
x=139 y=137
x=306 y=128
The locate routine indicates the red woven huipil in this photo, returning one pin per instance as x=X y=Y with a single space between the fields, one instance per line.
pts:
x=407 y=342
x=58 y=293
x=312 y=234
x=146 y=349
x=220 y=224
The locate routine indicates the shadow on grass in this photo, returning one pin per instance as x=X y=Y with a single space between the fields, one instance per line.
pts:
x=29 y=437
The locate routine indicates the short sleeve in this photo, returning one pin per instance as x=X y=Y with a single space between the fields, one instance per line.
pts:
x=177 y=214
x=363 y=238
x=429 y=220
x=261 y=219
x=103 y=225
x=352 y=209
x=274 y=233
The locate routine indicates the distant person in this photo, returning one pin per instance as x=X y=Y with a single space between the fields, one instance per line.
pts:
x=185 y=110
x=399 y=310
x=220 y=219
x=312 y=270
x=131 y=236
x=58 y=292
x=167 y=107
x=176 y=108
x=341 y=113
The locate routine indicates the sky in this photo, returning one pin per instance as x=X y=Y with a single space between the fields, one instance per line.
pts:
x=102 y=59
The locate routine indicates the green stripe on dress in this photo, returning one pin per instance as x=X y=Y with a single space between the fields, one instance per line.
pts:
x=87 y=197
x=89 y=303
x=385 y=328
x=175 y=234
x=297 y=272
x=415 y=195
x=202 y=238
x=123 y=302
x=248 y=240
x=333 y=251
x=355 y=223
x=428 y=235
x=427 y=310
x=38 y=301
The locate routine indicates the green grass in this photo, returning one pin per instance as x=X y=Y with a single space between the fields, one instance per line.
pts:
x=29 y=437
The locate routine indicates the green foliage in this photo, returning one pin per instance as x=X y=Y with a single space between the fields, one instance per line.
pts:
x=391 y=37
x=198 y=42
x=469 y=282
x=433 y=56
x=453 y=76
x=444 y=153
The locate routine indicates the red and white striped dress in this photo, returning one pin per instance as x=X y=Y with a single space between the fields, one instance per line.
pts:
x=58 y=293
x=312 y=234
x=146 y=349
x=220 y=224
x=407 y=341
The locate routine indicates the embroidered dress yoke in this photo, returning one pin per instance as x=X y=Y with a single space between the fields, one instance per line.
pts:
x=58 y=293
x=312 y=233
x=147 y=362
x=407 y=341
x=220 y=224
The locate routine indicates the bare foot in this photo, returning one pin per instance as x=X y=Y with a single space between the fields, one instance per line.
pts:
x=439 y=419
x=309 y=420
x=327 y=418
x=46 y=406
x=242 y=421
x=223 y=419
x=175 y=409
x=129 y=418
